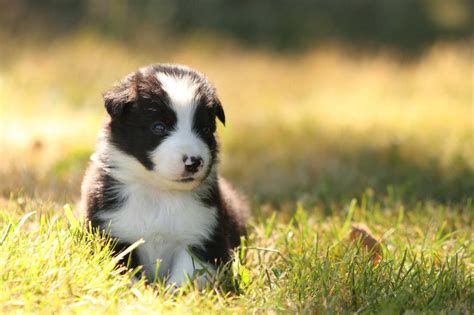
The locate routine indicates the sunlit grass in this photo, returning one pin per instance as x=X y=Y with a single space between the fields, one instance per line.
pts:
x=49 y=264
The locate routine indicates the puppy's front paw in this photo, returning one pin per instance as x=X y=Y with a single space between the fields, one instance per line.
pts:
x=180 y=279
x=176 y=280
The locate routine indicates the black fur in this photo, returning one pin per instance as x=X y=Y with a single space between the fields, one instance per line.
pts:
x=230 y=227
x=101 y=197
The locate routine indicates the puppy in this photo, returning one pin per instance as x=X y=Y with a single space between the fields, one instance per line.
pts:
x=154 y=175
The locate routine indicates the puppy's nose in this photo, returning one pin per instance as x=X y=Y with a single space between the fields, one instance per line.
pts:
x=192 y=163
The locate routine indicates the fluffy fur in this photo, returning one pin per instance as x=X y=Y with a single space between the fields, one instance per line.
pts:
x=154 y=175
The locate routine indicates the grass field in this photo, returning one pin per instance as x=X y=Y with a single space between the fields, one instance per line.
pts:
x=318 y=141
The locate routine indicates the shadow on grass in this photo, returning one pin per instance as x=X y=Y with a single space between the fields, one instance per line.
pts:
x=312 y=166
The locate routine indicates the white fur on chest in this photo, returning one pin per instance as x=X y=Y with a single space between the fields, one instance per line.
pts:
x=169 y=222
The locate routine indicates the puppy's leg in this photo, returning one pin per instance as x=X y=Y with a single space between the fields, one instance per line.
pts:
x=186 y=266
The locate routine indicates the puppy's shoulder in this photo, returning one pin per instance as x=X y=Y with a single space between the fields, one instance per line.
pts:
x=234 y=203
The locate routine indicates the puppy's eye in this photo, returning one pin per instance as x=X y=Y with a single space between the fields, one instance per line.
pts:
x=159 y=128
x=207 y=130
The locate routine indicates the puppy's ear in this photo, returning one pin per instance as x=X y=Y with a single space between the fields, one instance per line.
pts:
x=120 y=97
x=220 y=111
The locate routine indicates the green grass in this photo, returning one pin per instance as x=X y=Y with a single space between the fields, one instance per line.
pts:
x=48 y=263
x=325 y=129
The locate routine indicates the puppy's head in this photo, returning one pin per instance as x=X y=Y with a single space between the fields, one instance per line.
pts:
x=162 y=126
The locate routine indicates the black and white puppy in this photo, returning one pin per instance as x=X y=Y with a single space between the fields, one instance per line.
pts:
x=154 y=175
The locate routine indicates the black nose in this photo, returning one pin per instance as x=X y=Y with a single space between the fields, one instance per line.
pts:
x=192 y=163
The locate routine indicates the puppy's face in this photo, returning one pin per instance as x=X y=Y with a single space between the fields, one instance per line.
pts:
x=164 y=117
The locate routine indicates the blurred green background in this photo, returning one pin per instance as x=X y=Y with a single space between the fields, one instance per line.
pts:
x=326 y=100
x=408 y=25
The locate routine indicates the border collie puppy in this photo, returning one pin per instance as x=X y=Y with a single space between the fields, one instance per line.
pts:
x=154 y=175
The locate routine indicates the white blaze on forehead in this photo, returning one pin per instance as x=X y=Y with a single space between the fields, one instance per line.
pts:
x=181 y=90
